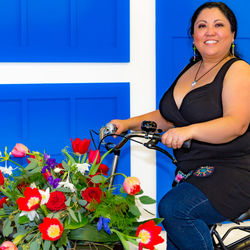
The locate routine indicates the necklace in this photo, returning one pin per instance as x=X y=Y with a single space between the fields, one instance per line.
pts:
x=196 y=80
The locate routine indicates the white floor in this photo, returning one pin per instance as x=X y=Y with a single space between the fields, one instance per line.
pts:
x=236 y=234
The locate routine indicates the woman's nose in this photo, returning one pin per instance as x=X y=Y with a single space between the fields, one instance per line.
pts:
x=210 y=30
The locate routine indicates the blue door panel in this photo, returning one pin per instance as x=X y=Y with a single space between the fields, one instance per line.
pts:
x=64 y=31
x=45 y=117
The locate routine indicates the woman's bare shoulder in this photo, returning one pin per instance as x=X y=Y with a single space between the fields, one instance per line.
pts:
x=239 y=71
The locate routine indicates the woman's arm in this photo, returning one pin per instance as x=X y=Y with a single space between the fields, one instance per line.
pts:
x=236 y=113
x=134 y=123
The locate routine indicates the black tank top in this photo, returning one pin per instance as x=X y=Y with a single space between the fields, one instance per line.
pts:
x=200 y=105
x=228 y=187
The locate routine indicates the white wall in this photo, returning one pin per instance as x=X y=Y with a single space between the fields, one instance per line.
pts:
x=140 y=72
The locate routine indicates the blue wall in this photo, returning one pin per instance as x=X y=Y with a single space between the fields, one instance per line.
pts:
x=64 y=31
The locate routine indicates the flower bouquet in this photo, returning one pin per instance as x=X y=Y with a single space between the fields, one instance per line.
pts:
x=69 y=204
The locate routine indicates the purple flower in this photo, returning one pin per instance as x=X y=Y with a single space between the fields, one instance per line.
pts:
x=46 y=156
x=44 y=169
x=104 y=222
x=53 y=182
x=56 y=182
x=51 y=163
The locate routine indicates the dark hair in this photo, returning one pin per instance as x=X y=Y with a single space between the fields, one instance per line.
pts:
x=227 y=12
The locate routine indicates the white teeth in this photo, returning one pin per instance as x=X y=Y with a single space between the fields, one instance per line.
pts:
x=210 y=42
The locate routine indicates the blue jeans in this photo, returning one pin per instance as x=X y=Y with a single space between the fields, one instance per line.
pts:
x=187 y=213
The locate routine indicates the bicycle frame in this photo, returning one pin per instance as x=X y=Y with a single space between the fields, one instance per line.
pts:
x=153 y=138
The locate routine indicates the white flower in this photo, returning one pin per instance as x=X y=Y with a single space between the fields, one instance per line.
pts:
x=6 y=170
x=31 y=214
x=82 y=168
x=33 y=185
x=45 y=196
x=57 y=170
x=67 y=184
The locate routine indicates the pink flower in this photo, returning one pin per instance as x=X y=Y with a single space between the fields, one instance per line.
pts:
x=94 y=154
x=8 y=245
x=131 y=185
x=19 y=150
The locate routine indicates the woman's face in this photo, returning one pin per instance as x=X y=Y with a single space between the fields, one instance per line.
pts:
x=212 y=33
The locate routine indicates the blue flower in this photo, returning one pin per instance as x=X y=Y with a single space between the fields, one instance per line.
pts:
x=104 y=222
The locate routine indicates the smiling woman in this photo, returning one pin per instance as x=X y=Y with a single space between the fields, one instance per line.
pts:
x=214 y=114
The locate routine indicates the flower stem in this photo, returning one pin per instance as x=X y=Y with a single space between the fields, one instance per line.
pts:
x=16 y=163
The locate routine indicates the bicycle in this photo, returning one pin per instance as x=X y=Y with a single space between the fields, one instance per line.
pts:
x=153 y=136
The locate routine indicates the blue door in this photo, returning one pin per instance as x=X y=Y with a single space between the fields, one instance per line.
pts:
x=174 y=49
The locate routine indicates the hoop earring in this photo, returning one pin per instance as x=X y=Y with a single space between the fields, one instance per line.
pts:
x=233 y=46
x=194 y=50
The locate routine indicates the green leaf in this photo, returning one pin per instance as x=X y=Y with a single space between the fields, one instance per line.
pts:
x=7 y=228
x=122 y=239
x=35 y=244
x=71 y=159
x=146 y=200
x=23 y=220
x=74 y=225
x=18 y=238
x=33 y=164
x=67 y=203
x=46 y=245
x=98 y=179
x=72 y=214
x=65 y=166
x=90 y=233
x=82 y=202
x=130 y=199
x=53 y=247
x=134 y=210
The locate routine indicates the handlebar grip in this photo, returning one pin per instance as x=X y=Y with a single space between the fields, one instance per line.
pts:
x=187 y=144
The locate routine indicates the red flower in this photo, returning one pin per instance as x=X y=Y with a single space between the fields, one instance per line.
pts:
x=46 y=175
x=2 y=201
x=103 y=169
x=1 y=178
x=19 y=150
x=149 y=235
x=31 y=156
x=56 y=201
x=80 y=146
x=51 y=229
x=92 y=194
x=94 y=154
x=31 y=199
x=131 y=185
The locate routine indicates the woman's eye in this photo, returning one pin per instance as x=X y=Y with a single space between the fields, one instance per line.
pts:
x=219 y=25
x=201 y=26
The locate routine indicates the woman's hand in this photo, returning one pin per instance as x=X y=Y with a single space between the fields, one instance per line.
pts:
x=175 y=137
x=121 y=125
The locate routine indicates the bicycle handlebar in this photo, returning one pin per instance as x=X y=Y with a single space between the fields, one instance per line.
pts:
x=148 y=132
